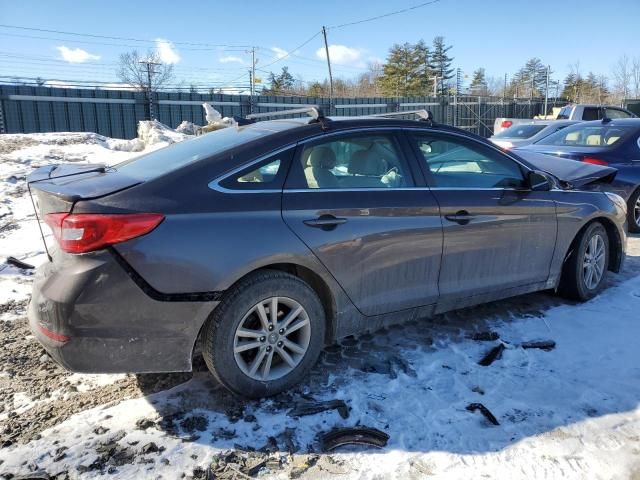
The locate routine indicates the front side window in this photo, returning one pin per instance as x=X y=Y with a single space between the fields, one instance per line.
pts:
x=582 y=135
x=455 y=164
x=354 y=161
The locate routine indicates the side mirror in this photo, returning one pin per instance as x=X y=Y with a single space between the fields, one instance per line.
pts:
x=538 y=181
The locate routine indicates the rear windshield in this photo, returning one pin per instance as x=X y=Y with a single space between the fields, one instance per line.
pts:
x=588 y=135
x=520 y=131
x=565 y=113
x=165 y=160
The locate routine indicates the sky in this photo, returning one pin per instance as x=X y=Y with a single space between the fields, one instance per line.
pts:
x=497 y=35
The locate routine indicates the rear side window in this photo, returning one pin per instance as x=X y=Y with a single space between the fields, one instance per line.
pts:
x=265 y=174
x=591 y=113
x=165 y=160
x=616 y=113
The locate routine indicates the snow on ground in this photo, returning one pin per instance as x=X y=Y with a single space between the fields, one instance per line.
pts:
x=572 y=412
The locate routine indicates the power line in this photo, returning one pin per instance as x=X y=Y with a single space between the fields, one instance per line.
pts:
x=19 y=27
x=384 y=15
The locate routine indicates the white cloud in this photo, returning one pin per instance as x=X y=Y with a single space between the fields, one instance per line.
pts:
x=230 y=59
x=341 y=54
x=76 y=55
x=167 y=52
x=279 y=52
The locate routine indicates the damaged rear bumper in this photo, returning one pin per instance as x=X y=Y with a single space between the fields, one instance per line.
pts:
x=91 y=317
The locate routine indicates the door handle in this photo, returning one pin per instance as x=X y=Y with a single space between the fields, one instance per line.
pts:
x=461 y=217
x=325 y=222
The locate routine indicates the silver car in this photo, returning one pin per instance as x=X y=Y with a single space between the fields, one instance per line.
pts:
x=527 y=133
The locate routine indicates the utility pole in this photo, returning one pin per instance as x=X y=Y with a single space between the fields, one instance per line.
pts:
x=326 y=47
x=504 y=90
x=149 y=64
x=546 y=91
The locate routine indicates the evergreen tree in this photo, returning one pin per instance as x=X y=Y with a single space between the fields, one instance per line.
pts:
x=283 y=82
x=441 y=64
x=479 y=83
x=398 y=70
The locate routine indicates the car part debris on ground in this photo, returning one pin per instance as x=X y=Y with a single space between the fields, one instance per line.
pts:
x=338 y=437
x=19 y=263
x=494 y=354
x=311 y=408
x=487 y=336
x=472 y=407
x=546 y=345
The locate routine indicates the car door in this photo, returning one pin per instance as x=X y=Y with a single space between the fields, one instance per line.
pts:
x=498 y=234
x=352 y=199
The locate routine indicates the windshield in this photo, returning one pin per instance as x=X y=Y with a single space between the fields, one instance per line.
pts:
x=588 y=135
x=164 y=160
x=520 y=131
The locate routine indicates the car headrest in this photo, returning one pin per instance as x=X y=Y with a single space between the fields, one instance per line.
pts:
x=593 y=140
x=322 y=157
x=365 y=162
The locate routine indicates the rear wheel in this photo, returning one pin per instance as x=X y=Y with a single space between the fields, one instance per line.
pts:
x=265 y=335
x=633 y=212
x=585 y=270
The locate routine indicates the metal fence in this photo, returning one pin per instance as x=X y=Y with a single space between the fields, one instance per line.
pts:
x=116 y=113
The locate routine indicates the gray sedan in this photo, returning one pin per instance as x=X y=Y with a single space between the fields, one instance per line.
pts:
x=262 y=243
x=527 y=133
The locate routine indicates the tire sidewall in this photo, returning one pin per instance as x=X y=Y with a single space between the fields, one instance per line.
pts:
x=220 y=334
x=631 y=219
x=593 y=229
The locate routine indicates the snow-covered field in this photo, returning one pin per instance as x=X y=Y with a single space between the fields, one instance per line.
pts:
x=572 y=412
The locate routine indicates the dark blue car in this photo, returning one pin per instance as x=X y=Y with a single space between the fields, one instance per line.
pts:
x=615 y=143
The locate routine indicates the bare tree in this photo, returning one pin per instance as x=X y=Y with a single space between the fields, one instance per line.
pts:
x=133 y=70
x=635 y=74
x=622 y=77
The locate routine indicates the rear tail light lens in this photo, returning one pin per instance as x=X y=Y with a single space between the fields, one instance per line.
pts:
x=595 y=161
x=86 y=232
x=506 y=123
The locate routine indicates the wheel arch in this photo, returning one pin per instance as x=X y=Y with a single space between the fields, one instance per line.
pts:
x=614 y=237
x=312 y=278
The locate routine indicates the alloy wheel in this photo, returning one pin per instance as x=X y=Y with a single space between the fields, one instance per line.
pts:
x=594 y=261
x=636 y=212
x=272 y=338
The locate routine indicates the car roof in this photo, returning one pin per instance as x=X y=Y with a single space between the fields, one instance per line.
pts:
x=633 y=122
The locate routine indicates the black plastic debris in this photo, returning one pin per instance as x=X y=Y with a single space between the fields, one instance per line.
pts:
x=472 y=407
x=494 y=354
x=338 y=437
x=311 y=408
x=546 y=345
x=19 y=263
x=485 y=336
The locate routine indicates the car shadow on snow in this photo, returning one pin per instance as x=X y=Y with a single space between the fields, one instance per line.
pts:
x=415 y=381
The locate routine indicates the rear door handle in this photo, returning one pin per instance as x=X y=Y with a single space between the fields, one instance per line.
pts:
x=462 y=217
x=326 y=222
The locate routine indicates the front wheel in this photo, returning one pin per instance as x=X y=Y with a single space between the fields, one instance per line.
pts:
x=585 y=270
x=633 y=212
x=265 y=335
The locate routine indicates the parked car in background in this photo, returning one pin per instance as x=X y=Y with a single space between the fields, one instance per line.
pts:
x=262 y=243
x=529 y=132
x=578 y=112
x=614 y=143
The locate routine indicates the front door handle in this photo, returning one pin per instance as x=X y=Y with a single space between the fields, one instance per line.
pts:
x=325 y=222
x=461 y=217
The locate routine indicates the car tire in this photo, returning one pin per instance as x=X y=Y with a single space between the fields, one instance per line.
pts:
x=231 y=355
x=590 y=246
x=633 y=212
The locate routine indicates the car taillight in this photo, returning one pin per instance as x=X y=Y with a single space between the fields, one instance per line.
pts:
x=86 y=232
x=506 y=123
x=595 y=161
